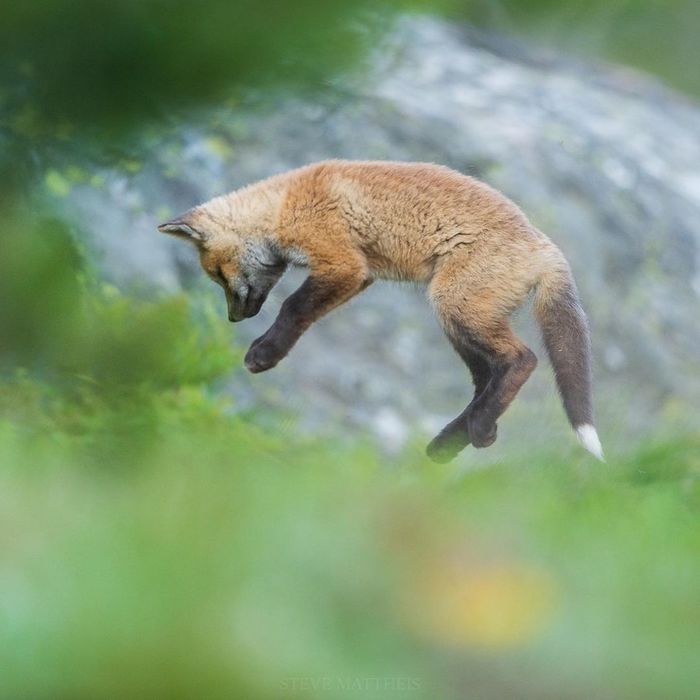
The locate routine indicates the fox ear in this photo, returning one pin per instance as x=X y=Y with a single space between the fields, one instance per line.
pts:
x=182 y=227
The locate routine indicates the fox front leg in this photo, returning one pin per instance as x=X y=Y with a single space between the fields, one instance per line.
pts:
x=318 y=295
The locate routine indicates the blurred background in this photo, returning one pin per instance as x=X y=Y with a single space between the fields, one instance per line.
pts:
x=173 y=527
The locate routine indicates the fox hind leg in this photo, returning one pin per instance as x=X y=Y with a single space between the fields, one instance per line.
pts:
x=455 y=436
x=476 y=322
x=510 y=370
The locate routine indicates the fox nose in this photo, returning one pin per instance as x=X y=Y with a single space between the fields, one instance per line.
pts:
x=232 y=315
x=235 y=313
x=233 y=305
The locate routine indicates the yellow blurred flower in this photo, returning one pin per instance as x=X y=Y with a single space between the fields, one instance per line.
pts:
x=498 y=606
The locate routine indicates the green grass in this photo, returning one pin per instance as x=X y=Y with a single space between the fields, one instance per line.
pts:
x=216 y=559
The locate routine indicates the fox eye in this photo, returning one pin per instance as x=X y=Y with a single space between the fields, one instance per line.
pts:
x=218 y=277
x=271 y=265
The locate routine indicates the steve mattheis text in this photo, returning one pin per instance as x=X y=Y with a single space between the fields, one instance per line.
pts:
x=349 y=683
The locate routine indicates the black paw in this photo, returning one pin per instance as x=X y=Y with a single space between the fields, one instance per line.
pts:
x=263 y=355
x=482 y=434
x=449 y=443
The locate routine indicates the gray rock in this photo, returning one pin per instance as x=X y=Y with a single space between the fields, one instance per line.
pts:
x=607 y=162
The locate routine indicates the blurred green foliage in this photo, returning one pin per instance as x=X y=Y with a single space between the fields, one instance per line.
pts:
x=40 y=289
x=90 y=62
x=220 y=559
x=81 y=357
x=86 y=63
x=61 y=323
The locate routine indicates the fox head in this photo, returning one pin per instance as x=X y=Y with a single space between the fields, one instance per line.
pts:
x=238 y=257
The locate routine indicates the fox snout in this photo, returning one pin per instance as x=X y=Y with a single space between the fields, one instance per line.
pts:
x=240 y=308
x=234 y=316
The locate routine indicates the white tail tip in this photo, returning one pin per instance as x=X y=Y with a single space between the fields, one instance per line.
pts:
x=588 y=437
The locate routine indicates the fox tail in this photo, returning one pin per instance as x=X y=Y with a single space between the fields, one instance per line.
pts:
x=567 y=339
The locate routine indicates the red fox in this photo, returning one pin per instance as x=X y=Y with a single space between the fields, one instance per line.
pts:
x=351 y=223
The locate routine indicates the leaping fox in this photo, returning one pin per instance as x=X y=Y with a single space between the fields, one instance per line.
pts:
x=351 y=223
